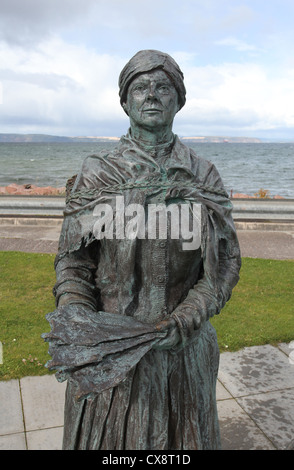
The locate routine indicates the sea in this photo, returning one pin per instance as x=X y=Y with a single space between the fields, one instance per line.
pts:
x=245 y=168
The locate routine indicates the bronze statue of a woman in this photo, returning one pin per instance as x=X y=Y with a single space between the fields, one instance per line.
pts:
x=131 y=331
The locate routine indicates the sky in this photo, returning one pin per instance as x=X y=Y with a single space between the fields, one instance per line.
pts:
x=60 y=61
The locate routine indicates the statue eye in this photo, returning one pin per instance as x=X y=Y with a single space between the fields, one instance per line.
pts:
x=140 y=88
x=163 y=88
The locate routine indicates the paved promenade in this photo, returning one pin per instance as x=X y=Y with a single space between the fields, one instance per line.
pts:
x=41 y=236
x=255 y=389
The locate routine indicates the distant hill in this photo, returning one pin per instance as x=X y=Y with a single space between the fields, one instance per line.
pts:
x=226 y=140
x=54 y=138
x=51 y=138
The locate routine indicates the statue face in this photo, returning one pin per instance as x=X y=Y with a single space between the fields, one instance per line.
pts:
x=152 y=100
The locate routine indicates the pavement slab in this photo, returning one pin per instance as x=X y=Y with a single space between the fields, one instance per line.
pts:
x=11 y=419
x=274 y=413
x=238 y=430
x=43 y=402
x=256 y=369
x=261 y=381
x=45 y=439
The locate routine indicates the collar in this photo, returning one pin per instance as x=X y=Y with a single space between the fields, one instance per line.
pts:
x=170 y=155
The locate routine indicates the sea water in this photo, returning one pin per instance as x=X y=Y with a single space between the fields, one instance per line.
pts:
x=244 y=167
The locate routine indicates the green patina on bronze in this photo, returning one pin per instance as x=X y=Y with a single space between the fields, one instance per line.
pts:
x=131 y=331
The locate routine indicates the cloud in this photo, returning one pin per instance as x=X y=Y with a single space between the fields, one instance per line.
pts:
x=68 y=89
x=237 y=44
x=126 y=25
x=51 y=81
x=60 y=63
x=236 y=17
x=23 y=23
x=60 y=87
x=240 y=98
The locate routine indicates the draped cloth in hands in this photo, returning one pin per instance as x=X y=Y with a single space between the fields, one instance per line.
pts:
x=97 y=349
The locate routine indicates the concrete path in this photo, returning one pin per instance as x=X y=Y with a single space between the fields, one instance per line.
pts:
x=41 y=236
x=255 y=390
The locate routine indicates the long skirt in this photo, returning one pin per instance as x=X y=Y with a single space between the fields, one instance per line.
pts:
x=168 y=402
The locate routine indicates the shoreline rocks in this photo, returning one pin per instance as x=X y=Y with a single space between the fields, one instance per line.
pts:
x=246 y=196
x=33 y=190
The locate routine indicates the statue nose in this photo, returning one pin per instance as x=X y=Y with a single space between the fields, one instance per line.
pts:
x=151 y=97
x=152 y=94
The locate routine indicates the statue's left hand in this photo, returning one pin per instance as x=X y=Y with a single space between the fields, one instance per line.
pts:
x=173 y=336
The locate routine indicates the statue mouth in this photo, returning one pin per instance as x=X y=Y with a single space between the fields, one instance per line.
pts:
x=152 y=110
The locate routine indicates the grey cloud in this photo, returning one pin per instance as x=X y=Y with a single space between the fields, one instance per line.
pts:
x=219 y=118
x=44 y=80
x=23 y=22
x=71 y=126
x=9 y=124
x=227 y=118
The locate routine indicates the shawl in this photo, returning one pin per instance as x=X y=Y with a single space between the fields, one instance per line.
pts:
x=133 y=172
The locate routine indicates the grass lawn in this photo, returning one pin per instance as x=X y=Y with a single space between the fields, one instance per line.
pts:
x=260 y=310
x=25 y=297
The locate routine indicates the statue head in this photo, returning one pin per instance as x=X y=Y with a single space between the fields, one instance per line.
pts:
x=150 y=60
x=151 y=89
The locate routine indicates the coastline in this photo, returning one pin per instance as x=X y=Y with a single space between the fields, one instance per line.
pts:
x=14 y=189
x=31 y=190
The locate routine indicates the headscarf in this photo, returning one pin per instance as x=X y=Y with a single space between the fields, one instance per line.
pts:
x=146 y=61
